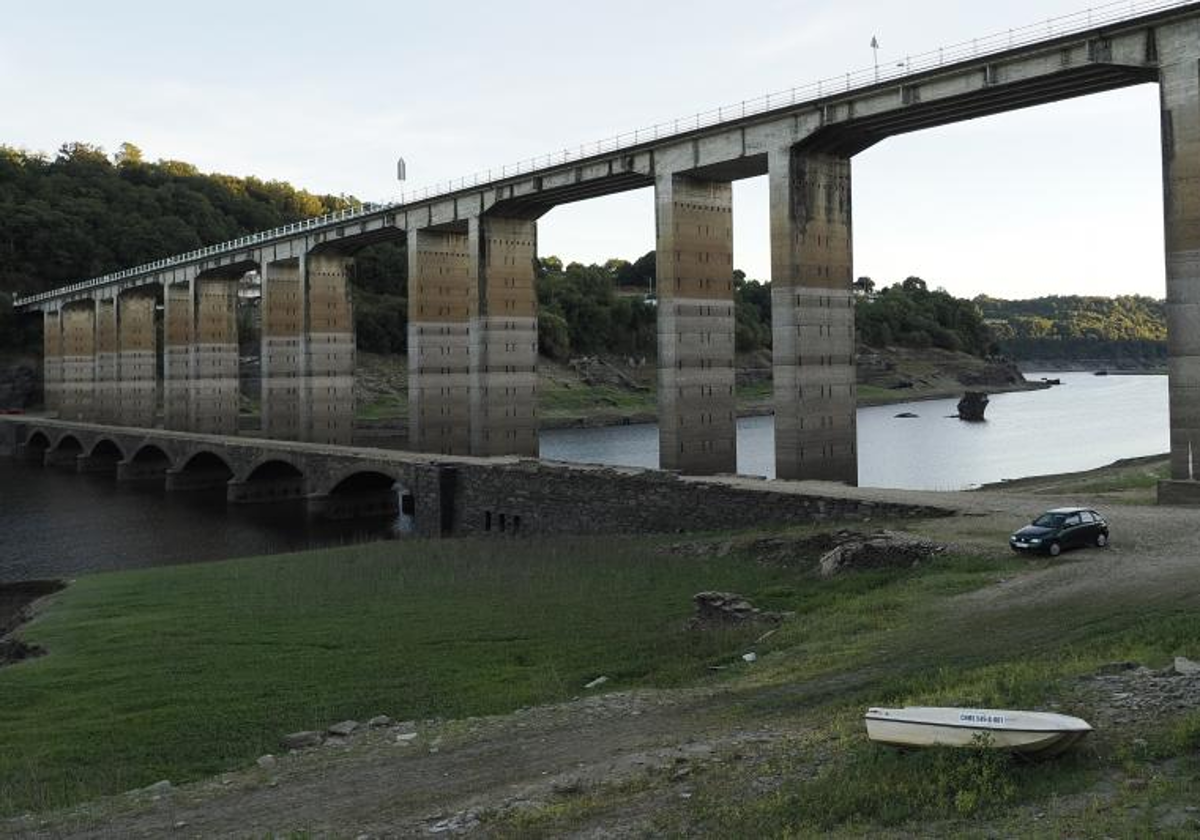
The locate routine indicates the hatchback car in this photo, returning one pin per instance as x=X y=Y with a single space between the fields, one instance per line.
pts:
x=1057 y=530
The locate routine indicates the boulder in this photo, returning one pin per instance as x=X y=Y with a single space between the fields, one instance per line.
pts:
x=266 y=762
x=1186 y=667
x=972 y=406
x=715 y=609
x=379 y=721
x=302 y=740
x=343 y=728
x=885 y=549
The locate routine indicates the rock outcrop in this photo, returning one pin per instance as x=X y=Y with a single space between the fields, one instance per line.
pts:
x=972 y=406
x=724 y=609
x=882 y=550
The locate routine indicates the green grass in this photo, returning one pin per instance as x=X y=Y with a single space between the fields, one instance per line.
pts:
x=558 y=401
x=187 y=671
x=385 y=408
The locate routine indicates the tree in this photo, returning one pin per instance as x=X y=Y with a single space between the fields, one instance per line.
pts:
x=128 y=155
x=864 y=286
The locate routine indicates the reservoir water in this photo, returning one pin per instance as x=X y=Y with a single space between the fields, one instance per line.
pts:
x=1086 y=422
x=60 y=524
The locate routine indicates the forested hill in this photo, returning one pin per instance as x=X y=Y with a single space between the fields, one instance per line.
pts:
x=83 y=213
x=1121 y=329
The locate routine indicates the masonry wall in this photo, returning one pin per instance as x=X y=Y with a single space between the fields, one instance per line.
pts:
x=533 y=498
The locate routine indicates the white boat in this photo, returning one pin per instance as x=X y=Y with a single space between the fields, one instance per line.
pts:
x=1041 y=734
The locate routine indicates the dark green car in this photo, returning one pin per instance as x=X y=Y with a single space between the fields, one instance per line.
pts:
x=1057 y=530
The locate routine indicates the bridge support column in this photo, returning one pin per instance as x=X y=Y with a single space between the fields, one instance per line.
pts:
x=328 y=406
x=79 y=362
x=812 y=317
x=503 y=337
x=697 y=412
x=137 y=342
x=1179 y=56
x=52 y=370
x=215 y=387
x=105 y=408
x=441 y=302
x=179 y=327
x=282 y=354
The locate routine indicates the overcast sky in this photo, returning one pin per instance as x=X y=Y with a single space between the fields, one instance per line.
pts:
x=1059 y=199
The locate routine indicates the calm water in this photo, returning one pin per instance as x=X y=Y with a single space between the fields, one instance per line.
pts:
x=59 y=524
x=1087 y=422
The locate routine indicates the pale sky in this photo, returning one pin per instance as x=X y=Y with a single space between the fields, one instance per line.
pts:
x=1061 y=199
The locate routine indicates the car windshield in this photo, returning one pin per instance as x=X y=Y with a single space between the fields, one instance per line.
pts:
x=1050 y=520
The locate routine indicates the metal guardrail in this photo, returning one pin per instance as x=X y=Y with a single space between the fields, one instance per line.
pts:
x=1064 y=25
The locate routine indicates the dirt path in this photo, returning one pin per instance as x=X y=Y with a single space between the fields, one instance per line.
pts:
x=386 y=783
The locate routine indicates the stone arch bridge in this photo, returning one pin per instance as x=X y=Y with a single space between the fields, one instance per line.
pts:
x=445 y=495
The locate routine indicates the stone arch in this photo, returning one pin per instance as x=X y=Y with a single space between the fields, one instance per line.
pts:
x=104 y=456
x=148 y=453
x=271 y=479
x=107 y=448
x=201 y=469
x=69 y=440
x=149 y=463
x=362 y=493
x=65 y=452
x=36 y=446
x=205 y=460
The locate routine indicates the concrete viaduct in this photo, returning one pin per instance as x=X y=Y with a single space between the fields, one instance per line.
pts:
x=472 y=249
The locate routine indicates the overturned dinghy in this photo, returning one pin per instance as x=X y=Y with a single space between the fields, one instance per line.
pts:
x=1039 y=734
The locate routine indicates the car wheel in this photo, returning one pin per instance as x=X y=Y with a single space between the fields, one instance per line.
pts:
x=1101 y=540
x=1055 y=549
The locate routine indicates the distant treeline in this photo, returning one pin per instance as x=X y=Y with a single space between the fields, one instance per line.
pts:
x=1127 y=328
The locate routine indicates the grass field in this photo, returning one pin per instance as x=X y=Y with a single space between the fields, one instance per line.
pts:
x=186 y=671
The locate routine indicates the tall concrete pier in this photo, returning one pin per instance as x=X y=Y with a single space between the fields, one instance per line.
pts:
x=503 y=337
x=697 y=411
x=137 y=340
x=78 y=361
x=328 y=407
x=52 y=370
x=106 y=391
x=214 y=385
x=1179 y=61
x=282 y=358
x=442 y=301
x=812 y=316
x=179 y=329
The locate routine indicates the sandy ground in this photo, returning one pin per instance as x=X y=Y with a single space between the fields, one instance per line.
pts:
x=386 y=783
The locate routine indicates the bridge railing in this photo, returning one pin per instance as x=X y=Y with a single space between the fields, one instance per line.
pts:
x=1064 y=25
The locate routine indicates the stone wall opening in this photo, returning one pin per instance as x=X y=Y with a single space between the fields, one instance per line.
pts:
x=270 y=482
x=363 y=495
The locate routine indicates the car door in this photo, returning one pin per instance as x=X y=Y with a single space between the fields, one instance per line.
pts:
x=1072 y=527
x=1087 y=531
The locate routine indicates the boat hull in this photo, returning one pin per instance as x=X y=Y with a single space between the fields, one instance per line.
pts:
x=1028 y=733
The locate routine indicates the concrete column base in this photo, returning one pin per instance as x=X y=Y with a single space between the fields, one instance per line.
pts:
x=265 y=491
x=1179 y=493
